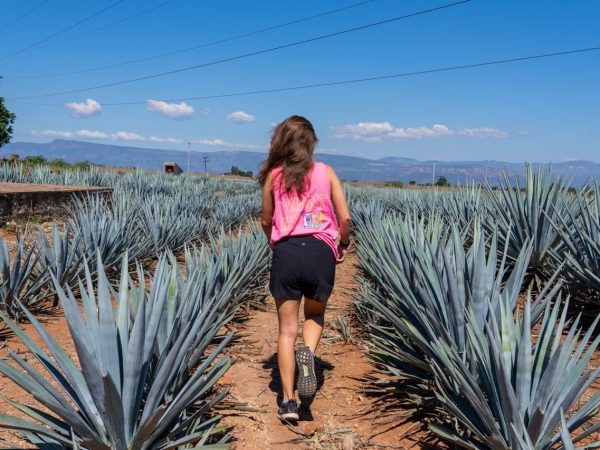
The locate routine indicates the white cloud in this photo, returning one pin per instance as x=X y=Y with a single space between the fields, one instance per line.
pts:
x=176 y=111
x=94 y=134
x=91 y=134
x=483 y=132
x=127 y=136
x=383 y=131
x=212 y=142
x=241 y=117
x=54 y=134
x=222 y=143
x=90 y=108
x=167 y=140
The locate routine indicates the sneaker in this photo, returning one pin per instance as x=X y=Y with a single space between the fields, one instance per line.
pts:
x=307 y=380
x=288 y=410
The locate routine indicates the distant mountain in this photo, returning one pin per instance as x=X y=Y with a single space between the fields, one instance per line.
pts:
x=390 y=168
x=399 y=160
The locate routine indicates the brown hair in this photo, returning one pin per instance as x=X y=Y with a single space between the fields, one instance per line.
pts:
x=292 y=145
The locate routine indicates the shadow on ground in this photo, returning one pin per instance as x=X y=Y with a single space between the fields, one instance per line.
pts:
x=321 y=366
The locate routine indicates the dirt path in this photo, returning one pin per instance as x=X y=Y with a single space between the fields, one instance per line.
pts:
x=335 y=422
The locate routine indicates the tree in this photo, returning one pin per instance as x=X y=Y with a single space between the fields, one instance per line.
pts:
x=82 y=165
x=397 y=184
x=412 y=183
x=240 y=173
x=442 y=181
x=59 y=162
x=34 y=160
x=6 y=122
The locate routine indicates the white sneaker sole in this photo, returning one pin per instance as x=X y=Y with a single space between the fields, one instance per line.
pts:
x=289 y=416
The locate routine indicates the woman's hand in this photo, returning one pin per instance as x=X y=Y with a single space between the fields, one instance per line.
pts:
x=342 y=252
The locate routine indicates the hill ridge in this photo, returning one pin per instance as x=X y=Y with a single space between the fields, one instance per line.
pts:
x=389 y=168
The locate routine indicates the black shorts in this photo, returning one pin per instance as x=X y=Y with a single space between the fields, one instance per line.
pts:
x=302 y=266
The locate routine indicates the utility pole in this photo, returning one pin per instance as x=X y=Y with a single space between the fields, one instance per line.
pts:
x=189 y=152
x=433 y=176
x=205 y=159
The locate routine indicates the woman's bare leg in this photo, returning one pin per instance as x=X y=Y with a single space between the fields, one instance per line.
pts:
x=314 y=318
x=287 y=313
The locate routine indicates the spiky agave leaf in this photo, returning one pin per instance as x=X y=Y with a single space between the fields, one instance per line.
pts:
x=579 y=229
x=126 y=393
x=422 y=282
x=107 y=230
x=512 y=392
x=62 y=254
x=231 y=213
x=525 y=213
x=221 y=273
x=22 y=277
x=169 y=225
x=428 y=279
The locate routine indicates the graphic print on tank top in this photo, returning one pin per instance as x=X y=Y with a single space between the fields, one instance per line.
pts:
x=312 y=219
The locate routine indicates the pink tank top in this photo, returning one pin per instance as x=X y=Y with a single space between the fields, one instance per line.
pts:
x=308 y=214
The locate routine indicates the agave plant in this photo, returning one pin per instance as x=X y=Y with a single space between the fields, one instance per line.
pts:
x=22 y=278
x=222 y=274
x=421 y=281
x=444 y=332
x=170 y=226
x=62 y=254
x=428 y=273
x=525 y=214
x=245 y=259
x=580 y=233
x=128 y=392
x=109 y=232
x=12 y=173
x=512 y=392
x=231 y=213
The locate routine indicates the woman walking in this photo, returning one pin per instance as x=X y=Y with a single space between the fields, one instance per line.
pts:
x=299 y=204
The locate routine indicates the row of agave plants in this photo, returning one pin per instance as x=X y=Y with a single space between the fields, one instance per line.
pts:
x=149 y=348
x=145 y=215
x=149 y=351
x=137 y=180
x=442 y=276
x=560 y=222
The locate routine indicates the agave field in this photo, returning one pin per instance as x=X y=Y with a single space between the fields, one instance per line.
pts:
x=146 y=279
x=479 y=307
x=468 y=297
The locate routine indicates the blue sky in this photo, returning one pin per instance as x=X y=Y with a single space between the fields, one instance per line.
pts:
x=542 y=110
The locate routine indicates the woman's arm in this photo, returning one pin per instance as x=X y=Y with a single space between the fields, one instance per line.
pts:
x=266 y=217
x=341 y=208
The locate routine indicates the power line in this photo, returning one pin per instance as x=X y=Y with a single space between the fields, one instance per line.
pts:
x=255 y=53
x=103 y=27
x=375 y=78
x=64 y=30
x=195 y=47
x=22 y=16
x=353 y=81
